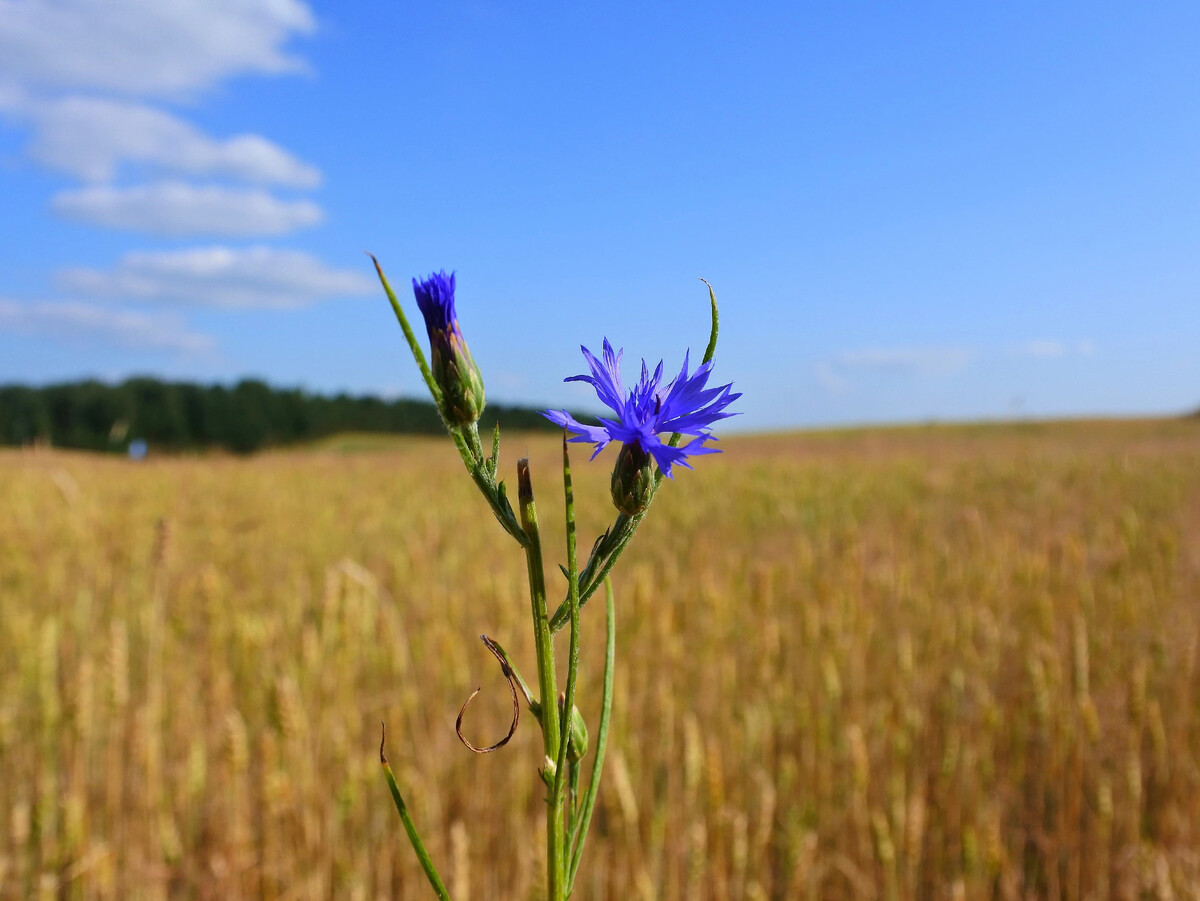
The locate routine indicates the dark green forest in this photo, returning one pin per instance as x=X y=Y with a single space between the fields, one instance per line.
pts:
x=180 y=416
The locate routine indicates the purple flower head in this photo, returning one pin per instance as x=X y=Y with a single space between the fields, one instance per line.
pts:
x=453 y=367
x=435 y=298
x=650 y=409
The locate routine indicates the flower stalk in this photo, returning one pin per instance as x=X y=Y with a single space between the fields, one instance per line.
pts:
x=547 y=681
x=558 y=794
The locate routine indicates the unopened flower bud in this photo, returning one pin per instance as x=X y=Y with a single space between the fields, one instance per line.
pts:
x=548 y=771
x=632 y=479
x=454 y=369
x=577 y=737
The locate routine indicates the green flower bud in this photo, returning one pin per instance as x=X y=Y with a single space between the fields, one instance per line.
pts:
x=577 y=737
x=548 y=771
x=632 y=479
x=457 y=376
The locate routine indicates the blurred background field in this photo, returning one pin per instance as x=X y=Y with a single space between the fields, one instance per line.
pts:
x=930 y=662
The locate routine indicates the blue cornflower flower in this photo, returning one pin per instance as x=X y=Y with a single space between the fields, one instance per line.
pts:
x=453 y=367
x=649 y=410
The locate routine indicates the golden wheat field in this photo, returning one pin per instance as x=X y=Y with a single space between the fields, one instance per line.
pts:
x=934 y=662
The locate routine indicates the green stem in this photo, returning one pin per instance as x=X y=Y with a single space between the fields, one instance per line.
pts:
x=557 y=799
x=619 y=537
x=498 y=502
x=431 y=872
x=547 y=681
x=589 y=799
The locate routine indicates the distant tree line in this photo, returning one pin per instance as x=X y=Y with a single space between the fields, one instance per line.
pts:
x=92 y=415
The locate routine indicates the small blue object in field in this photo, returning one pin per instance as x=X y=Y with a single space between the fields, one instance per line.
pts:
x=138 y=449
x=650 y=409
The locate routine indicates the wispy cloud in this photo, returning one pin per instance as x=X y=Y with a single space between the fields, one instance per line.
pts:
x=829 y=378
x=1048 y=349
x=77 y=321
x=176 y=209
x=93 y=138
x=139 y=48
x=256 y=277
x=931 y=360
x=840 y=373
x=1041 y=348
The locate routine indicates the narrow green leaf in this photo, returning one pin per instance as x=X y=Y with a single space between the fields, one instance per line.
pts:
x=711 y=350
x=414 y=346
x=414 y=838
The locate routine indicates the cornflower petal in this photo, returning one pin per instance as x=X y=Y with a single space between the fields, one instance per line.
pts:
x=605 y=377
x=697 y=422
x=585 y=433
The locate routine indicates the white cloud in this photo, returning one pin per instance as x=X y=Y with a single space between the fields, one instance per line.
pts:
x=837 y=373
x=256 y=277
x=1047 y=349
x=175 y=208
x=925 y=360
x=77 y=75
x=77 y=321
x=147 y=47
x=1041 y=348
x=829 y=379
x=91 y=138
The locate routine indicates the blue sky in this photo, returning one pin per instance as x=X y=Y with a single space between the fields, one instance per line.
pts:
x=935 y=211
